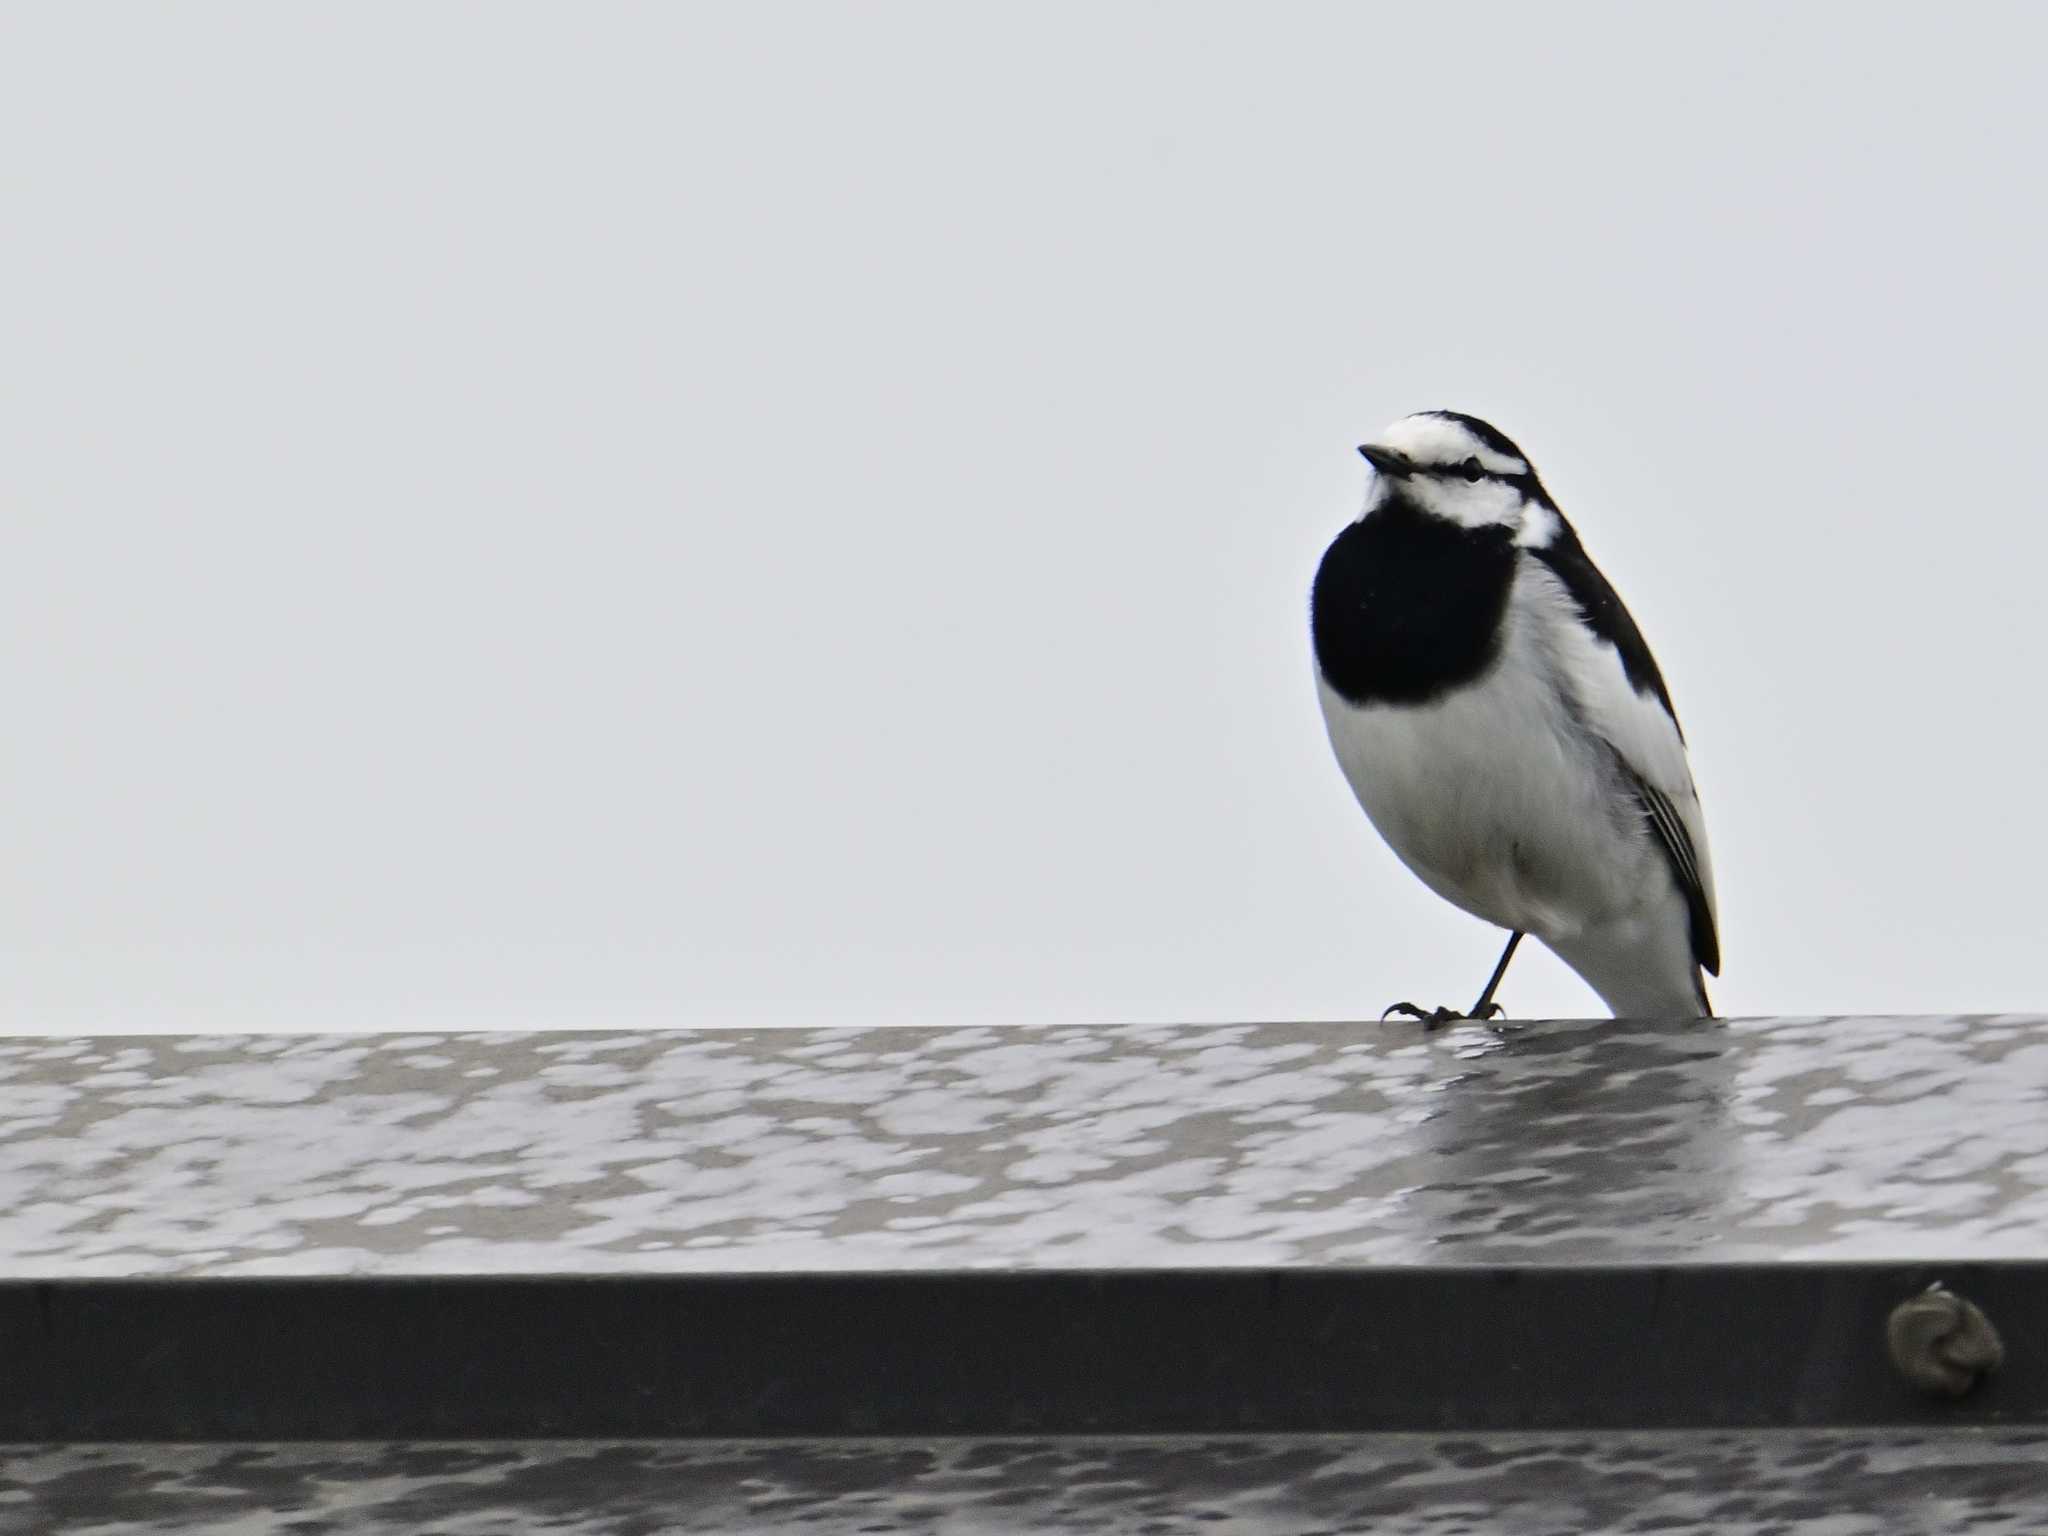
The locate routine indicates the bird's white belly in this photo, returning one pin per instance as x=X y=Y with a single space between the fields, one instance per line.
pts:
x=1491 y=798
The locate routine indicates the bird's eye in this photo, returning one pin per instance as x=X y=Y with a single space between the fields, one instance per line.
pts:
x=1472 y=469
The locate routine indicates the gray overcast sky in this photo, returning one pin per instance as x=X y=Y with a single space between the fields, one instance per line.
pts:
x=747 y=513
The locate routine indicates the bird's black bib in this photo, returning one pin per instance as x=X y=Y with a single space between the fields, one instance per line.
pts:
x=1408 y=607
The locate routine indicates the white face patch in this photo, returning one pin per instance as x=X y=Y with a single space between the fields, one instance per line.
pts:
x=1469 y=503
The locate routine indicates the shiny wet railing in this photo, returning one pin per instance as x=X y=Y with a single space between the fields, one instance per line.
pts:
x=834 y=1249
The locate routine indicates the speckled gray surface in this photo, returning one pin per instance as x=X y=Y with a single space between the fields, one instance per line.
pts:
x=1987 y=1483
x=1273 y=1144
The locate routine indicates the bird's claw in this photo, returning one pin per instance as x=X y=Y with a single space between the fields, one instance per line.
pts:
x=1437 y=1018
x=1432 y=1018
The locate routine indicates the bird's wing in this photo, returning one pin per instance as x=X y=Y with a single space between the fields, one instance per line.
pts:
x=1620 y=695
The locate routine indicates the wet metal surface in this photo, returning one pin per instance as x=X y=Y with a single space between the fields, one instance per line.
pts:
x=1028 y=1148
x=1787 y=1483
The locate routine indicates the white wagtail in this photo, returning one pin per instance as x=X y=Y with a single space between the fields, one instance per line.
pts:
x=1505 y=726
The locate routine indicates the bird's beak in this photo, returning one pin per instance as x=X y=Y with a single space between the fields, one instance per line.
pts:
x=1385 y=460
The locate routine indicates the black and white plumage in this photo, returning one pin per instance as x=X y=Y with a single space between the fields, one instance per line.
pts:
x=1503 y=723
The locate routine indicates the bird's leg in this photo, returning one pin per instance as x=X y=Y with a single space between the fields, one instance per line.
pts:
x=1485 y=1008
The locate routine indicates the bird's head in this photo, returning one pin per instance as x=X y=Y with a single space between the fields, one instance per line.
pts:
x=1462 y=470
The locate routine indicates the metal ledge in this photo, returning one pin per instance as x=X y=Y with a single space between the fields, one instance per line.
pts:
x=1136 y=1230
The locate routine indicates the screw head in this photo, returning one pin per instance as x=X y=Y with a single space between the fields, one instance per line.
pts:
x=1942 y=1343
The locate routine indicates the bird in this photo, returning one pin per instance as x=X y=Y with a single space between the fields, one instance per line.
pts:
x=1504 y=725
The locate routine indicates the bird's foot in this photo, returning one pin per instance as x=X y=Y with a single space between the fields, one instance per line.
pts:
x=1437 y=1018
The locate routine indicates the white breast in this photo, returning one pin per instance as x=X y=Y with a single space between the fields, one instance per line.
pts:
x=1493 y=795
